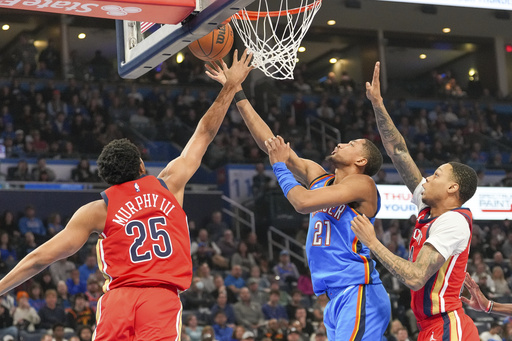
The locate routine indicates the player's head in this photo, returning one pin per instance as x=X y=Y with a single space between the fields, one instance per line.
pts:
x=361 y=152
x=119 y=162
x=450 y=179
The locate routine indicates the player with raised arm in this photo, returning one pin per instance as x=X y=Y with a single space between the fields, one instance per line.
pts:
x=341 y=267
x=439 y=246
x=144 y=244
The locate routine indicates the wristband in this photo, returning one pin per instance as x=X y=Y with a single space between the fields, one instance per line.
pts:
x=240 y=96
x=284 y=177
x=489 y=306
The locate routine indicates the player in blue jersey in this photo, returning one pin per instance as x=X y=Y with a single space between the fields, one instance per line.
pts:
x=359 y=307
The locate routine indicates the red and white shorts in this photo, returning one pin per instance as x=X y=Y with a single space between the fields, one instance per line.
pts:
x=450 y=326
x=133 y=313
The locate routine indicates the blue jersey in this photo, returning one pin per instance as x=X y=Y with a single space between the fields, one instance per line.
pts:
x=336 y=257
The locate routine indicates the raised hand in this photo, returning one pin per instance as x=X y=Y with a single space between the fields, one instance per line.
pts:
x=215 y=72
x=239 y=70
x=373 y=89
x=477 y=301
x=278 y=150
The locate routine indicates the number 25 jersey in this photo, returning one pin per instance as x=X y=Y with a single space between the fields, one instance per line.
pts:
x=146 y=240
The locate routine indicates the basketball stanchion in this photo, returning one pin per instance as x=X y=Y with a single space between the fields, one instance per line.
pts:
x=274 y=34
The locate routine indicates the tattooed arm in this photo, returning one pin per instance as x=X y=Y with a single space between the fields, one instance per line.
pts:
x=392 y=140
x=413 y=274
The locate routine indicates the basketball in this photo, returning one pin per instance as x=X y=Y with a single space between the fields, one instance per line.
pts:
x=213 y=46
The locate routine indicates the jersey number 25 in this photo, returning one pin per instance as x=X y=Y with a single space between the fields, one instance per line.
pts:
x=155 y=234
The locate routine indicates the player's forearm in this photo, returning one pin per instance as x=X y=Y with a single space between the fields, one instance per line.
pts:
x=211 y=121
x=260 y=131
x=402 y=269
x=396 y=148
x=502 y=309
x=25 y=269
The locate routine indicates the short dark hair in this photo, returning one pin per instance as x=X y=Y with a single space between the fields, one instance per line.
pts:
x=374 y=157
x=119 y=162
x=467 y=179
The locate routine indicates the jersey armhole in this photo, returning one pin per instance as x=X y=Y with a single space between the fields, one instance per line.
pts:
x=162 y=182
x=105 y=197
x=317 y=179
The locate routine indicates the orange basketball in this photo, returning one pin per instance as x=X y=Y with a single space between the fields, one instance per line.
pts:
x=213 y=46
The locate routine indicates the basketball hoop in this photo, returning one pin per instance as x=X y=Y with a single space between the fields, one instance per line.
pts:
x=274 y=36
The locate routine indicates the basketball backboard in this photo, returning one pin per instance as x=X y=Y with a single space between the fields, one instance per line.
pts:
x=138 y=52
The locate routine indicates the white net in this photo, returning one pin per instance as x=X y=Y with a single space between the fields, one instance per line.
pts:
x=274 y=36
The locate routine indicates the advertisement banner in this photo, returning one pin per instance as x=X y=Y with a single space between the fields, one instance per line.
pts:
x=159 y=11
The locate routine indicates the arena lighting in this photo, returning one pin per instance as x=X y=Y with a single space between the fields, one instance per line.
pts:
x=302 y=49
x=508 y=48
x=6 y=27
x=180 y=58
x=423 y=56
x=333 y=60
x=499 y=5
x=82 y=36
x=331 y=22
x=447 y=30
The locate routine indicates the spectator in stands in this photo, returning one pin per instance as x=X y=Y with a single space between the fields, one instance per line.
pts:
x=254 y=247
x=257 y=295
x=223 y=305
x=216 y=226
x=93 y=292
x=197 y=300
x=286 y=270
x=493 y=334
x=507 y=180
x=20 y=172
x=272 y=309
x=54 y=224
x=51 y=313
x=61 y=270
x=227 y=244
x=208 y=334
x=234 y=280
x=80 y=314
x=85 y=333
x=40 y=168
x=192 y=329
x=203 y=272
x=222 y=330
x=248 y=313
x=319 y=307
x=75 y=284
x=243 y=258
x=36 y=294
x=7 y=329
x=28 y=245
x=294 y=304
x=272 y=330
x=506 y=247
x=62 y=295
x=9 y=224
x=46 y=281
x=25 y=317
x=301 y=315
x=7 y=252
x=501 y=286
x=204 y=250
x=89 y=268
x=218 y=281
x=263 y=281
x=100 y=67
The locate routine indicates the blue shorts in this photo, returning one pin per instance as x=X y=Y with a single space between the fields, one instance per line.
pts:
x=357 y=313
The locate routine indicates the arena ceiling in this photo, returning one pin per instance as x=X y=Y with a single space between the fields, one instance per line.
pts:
x=409 y=29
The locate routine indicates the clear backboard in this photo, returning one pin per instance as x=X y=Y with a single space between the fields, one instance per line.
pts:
x=139 y=50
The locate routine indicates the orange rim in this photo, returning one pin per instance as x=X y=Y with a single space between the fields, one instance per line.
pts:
x=254 y=15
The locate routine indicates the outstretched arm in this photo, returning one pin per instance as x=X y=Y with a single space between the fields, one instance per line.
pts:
x=413 y=274
x=393 y=141
x=179 y=171
x=88 y=219
x=305 y=170
x=353 y=188
x=479 y=302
